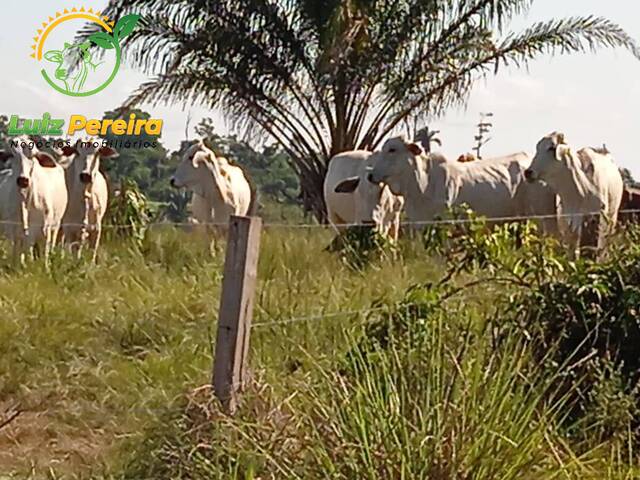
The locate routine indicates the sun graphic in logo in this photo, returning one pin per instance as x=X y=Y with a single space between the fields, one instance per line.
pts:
x=70 y=67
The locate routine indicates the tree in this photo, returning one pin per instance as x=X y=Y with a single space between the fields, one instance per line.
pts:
x=428 y=137
x=628 y=179
x=4 y=132
x=323 y=76
x=480 y=138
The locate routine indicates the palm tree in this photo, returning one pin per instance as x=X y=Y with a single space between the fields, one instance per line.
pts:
x=323 y=76
x=428 y=137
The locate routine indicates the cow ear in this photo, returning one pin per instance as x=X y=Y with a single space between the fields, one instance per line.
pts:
x=53 y=56
x=415 y=149
x=559 y=139
x=45 y=160
x=108 y=152
x=347 y=186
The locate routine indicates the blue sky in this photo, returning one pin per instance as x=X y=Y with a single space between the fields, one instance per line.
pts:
x=593 y=98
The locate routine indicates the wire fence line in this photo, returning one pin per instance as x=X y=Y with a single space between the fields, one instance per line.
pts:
x=451 y=221
x=313 y=318
x=324 y=316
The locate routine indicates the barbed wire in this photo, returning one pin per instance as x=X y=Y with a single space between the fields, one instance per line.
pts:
x=450 y=221
x=312 y=318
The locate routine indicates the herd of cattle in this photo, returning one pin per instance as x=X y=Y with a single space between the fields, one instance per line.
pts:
x=46 y=198
x=564 y=190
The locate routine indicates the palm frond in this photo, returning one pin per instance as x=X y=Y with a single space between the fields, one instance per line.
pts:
x=323 y=76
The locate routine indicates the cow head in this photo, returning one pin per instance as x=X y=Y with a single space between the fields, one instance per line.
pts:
x=550 y=158
x=72 y=64
x=395 y=163
x=189 y=171
x=24 y=155
x=86 y=158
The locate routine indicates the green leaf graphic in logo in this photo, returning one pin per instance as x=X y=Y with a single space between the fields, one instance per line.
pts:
x=74 y=63
x=103 y=40
x=125 y=26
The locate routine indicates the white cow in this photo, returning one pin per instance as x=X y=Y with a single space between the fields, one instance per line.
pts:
x=224 y=190
x=88 y=194
x=198 y=208
x=33 y=198
x=587 y=183
x=351 y=199
x=430 y=184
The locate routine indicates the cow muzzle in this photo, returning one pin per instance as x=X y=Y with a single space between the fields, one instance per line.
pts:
x=22 y=182
x=85 y=178
x=172 y=182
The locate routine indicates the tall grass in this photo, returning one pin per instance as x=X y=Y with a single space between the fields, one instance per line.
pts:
x=94 y=354
x=110 y=365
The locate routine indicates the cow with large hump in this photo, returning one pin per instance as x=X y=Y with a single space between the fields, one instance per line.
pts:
x=88 y=194
x=223 y=189
x=351 y=199
x=588 y=184
x=33 y=198
x=430 y=184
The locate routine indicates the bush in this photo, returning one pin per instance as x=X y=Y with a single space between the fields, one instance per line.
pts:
x=360 y=245
x=129 y=213
x=591 y=318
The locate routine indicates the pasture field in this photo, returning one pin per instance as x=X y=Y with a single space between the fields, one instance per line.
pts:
x=109 y=367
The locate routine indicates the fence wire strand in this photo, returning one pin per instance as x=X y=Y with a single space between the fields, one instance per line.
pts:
x=451 y=221
x=312 y=318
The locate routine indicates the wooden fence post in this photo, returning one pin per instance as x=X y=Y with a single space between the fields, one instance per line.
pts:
x=236 y=310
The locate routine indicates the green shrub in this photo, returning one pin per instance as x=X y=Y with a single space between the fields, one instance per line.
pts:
x=360 y=245
x=129 y=213
x=590 y=316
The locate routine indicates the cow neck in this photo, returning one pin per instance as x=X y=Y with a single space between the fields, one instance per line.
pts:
x=211 y=189
x=574 y=187
x=420 y=180
x=416 y=188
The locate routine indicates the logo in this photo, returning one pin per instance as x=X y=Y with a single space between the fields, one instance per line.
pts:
x=71 y=67
x=47 y=125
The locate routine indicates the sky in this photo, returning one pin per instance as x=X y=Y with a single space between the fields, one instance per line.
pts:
x=592 y=98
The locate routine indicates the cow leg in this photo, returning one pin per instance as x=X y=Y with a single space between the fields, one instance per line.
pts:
x=18 y=246
x=590 y=237
x=396 y=227
x=572 y=239
x=84 y=235
x=336 y=223
x=94 y=239
x=72 y=240
x=48 y=239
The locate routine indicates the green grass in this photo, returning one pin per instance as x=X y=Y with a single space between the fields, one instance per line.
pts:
x=92 y=354
x=110 y=366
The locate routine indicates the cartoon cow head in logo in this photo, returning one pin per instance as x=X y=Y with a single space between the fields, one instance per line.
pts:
x=72 y=65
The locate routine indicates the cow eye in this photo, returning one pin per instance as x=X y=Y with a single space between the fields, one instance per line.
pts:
x=392 y=150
